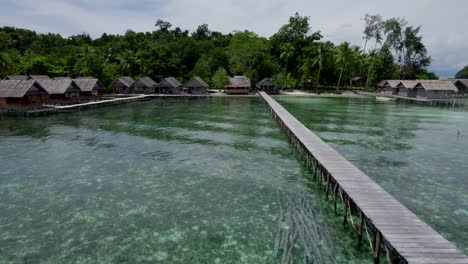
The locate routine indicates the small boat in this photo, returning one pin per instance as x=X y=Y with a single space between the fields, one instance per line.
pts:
x=384 y=99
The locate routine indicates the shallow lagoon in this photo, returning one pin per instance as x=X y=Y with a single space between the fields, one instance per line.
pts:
x=417 y=153
x=163 y=181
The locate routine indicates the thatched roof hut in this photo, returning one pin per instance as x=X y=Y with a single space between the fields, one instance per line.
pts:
x=405 y=88
x=435 y=89
x=90 y=87
x=123 y=85
x=145 y=85
x=238 y=85
x=267 y=85
x=61 y=90
x=196 y=86
x=16 y=77
x=169 y=85
x=21 y=93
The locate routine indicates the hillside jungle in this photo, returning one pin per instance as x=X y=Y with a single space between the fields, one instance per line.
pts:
x=295 y=57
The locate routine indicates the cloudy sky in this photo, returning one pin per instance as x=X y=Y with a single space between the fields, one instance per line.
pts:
x=444 y=22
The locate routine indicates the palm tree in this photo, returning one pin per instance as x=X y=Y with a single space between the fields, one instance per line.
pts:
x=343 y=56
x=126 y=60
x=319 y=60
x=287 y=51
x=373 y=54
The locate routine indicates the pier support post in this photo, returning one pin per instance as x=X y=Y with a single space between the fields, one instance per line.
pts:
x=361 y=223
x=378 y=242
x=345 y=211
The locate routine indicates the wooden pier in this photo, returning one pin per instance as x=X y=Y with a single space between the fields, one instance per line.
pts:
x=53 y=109
x=391 y=228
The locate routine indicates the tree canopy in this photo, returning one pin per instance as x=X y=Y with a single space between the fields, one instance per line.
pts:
x=293 y=56
x=462 y=74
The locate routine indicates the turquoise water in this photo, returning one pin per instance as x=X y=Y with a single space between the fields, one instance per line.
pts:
x=163 y=181
x=419 y=154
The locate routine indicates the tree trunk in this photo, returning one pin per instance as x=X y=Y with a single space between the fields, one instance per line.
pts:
x=339 y=79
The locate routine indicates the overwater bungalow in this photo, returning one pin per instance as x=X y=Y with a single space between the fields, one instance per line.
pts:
x=196 y=86
x=238 y=85
x=16 y=77
x=61 y=91
x=123 y=85
x=169 y=85
x=435 y=89
x=39 y=77
x=268 y=86
x=406 y=88
x=145 y=85
x=462 y=85
x=90 y=88
x=390 y=87
x=22 y=94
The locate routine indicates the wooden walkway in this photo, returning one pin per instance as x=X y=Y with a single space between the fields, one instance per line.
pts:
x=390 y=227
x=107 y=102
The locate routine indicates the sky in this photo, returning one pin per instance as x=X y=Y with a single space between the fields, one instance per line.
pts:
x=443 y=22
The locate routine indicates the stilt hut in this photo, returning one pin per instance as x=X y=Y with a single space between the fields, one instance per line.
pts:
x=123 y=85
x=61 y=91
x=238 y=85
x=39 y=77
x=435 y=89
x=462 y=85
x=391 y=87
x=406 y=88
x=196 y=86
x=16 y=94
x=268 y=86
x=169 y=85
x=381 y=86
x=144 y=85
x=16 y=77
x=90 y=88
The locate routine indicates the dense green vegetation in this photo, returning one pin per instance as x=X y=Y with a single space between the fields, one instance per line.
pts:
x=462 y=74
x=295 y=56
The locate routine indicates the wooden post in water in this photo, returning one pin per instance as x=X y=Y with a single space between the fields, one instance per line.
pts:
x=361 y=223
x=378 y=243
x=345 y=211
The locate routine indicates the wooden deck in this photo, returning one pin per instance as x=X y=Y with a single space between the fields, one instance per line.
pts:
x=390 y=227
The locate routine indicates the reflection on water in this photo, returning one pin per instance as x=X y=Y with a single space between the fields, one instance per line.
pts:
x=163 y=181
x=414 y=152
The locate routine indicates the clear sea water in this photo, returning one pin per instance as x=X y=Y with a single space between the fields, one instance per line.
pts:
x=164 y=181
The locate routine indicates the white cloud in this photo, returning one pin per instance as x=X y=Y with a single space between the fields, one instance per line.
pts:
x=339 y=20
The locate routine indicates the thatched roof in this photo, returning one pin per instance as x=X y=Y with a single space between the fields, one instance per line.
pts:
x=88 y=84
x=170 y=82
x=196 y=82
x=126 y=80
x=39 y=77
x=17 y=77
x=18 y=88
x=382 y=83
x=409 y=84
x=239 y=82
x=59 y=86
x=437 y=85
x=266 y=82
x=146 y=81
x=393 y=83
x=464 y=82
